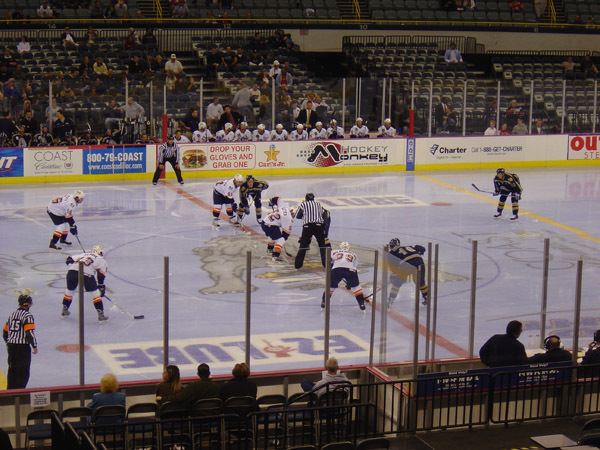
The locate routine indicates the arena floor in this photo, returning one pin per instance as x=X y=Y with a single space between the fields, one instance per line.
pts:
x=139 y=224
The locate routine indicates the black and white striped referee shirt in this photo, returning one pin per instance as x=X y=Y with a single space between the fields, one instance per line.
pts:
x=20 y=328
x=310 y=211
x=166 y=151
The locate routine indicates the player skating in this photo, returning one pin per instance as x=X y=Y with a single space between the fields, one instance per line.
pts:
x=506 y=184
x=412 y=255
x=251 y=189
x=277 y=226
x=223 y=196
x=344 y=266
x=94 y=265
x=60 y=211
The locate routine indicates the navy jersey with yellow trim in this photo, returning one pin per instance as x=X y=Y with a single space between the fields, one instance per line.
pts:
x=409 y=252
x=257 y=187
x=509 y=184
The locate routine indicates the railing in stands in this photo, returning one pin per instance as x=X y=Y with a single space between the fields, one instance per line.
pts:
x=158 y=9
x=356 y=8
x=464 y=44
x=552 y=9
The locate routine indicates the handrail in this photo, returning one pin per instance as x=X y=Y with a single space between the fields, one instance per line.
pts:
x=158 y=9
x=356 y=7
x=552 y=9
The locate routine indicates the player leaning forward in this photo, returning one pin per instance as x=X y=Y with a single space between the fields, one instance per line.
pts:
x=277 y=226
x=60 y=211
x=344 y=265
x=223 y=193
x=94 y=265
x=506 y=184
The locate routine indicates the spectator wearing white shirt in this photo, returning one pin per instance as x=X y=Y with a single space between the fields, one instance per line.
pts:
x=133 y=110
x=45 y=10
x=275 y=70
x=23 y=46
x=173 y=66
x=214 y=111
x=452 y=55
x=492 y=130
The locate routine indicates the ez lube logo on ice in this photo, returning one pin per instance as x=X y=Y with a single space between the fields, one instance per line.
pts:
x=11 y=162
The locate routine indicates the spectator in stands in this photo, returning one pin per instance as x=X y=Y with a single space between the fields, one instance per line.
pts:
x=331 y=377
x=214 y=111
x=308 y=117
x=11 y=91
x=568 y=66
x=91 y=38
x=132 y=41
x=229 y=59
x=515 y=5
x=45 y=10
x=578 y=20
x=191 y=120
x=28 y=123
x=202 y=389
x=109 y=11
x=264 y=108
x=95 y=88
x=239 y=385
x=213 y=60
x=441 y=115
x=538 y=127
x=63 y=126
x=23 y=46
x=170 y=385
x=133 y=110
x=242 y=102
x=284 y=78
x=100 y=68
x=86 y=68
x=44 y=138
x=120 y=10
x=504 y=129
x=113 y=114
x=108 y=395
x=137 y=67
x=275 y=69
x=513 y=112
x=180 y=10
x=452 y=55
x=554 y=352
x=592 y=354
x=241 y=56
x=256 y=58
x=540 y=7
x=68 y=40
x=97 y=11
x=173 y=66
x=520 y=128
x=504 y=349
x=148 y=39
x=588 y=68
x=491 y=130
x=229 y=116
x=51 y=110
x=66 y=93
x=263 y=79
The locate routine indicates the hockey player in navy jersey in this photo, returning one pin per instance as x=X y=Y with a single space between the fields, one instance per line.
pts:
x=412 y=255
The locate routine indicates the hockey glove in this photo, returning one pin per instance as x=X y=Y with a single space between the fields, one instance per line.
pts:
x=73 y=230
x=69 y=261
x=102 y=289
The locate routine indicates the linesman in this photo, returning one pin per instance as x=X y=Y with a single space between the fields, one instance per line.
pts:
x=19 y=335
x=168 y=152
x=313 y=216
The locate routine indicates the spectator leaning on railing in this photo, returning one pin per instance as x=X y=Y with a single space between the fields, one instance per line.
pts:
x=504 y=349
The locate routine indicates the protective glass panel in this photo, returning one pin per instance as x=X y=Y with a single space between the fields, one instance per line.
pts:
x=514 y=108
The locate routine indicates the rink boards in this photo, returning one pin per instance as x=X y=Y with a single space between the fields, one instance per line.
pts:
x=136 y=162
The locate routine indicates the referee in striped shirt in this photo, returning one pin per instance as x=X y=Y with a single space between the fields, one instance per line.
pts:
x=19 y=335
x=168 y=152
x=313 y=215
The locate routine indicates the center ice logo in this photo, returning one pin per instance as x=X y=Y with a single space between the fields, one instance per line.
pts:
x=325 y=154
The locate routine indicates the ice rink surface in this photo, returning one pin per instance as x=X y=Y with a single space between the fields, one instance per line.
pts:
x=139 y=224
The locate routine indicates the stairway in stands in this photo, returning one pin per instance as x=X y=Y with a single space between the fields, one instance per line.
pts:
x=559 y=7
x=149 y=10
x=346 y=8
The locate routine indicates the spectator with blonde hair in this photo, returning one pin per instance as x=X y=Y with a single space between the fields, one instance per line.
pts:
x=331 y=377
x=108 y=395
x=239 y=385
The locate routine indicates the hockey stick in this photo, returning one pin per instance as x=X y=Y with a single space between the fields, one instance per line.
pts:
x=124 y=311
x=370 y=296
x=80 y=244
x=481 y=190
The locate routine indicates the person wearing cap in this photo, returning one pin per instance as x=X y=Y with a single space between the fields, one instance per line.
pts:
x=19 y=334
x=275 y=70
x=168 y=152
x=173 y=66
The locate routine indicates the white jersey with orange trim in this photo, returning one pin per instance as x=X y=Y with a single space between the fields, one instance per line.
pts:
x=226 y=188
x=319 y=134
x=280 y=217
x=225 y=136
x=63 y=206
x=384 y=131
x=265 y=136
x=295 y=136
x=342 y=259
x=202 y=136
x=243 y=136
x=91 y=264
x=276 y=136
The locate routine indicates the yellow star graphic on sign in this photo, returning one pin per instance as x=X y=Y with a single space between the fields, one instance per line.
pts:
x=272 y=154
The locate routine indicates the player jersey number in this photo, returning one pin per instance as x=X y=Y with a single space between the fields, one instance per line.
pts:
x=87 y=260
x=57 y=200
x=15 y=325
x=275 y=216
x=348 y=256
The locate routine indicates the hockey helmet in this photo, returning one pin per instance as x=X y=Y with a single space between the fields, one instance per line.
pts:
x=333 y=122
x=97 y=250
x=293 y=211
x=387 y=122
x=228 y=126
x=359 y=120
x=202 y=126
x=244 y=125
x=299 y=127
x=319 y=125
x=250 y=177
x=238 y=180
x=279 y=127
x=309 y=197
x=344 y=246
x=394 y=244
x=273 y=201
x=500 y=171
x=78 y=195
x=170 y=137
x=260 y=127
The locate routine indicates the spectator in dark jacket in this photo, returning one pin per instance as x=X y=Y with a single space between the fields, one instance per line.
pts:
x=170 y=386
x=198 y=390
x=554 y=352
x=239 y=385
x=504 y=349
x=108 y=395
x=230 y=116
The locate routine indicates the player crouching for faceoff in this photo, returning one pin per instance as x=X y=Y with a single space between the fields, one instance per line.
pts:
x=94 y=265
x=412 y=255
x=252 y=188
x=60 y=211
x=506 y=184
x=223 y=195
x=277 y=226
x=343 y=272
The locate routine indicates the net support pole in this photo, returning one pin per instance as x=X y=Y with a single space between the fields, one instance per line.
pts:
x=434 y=297
x=428 y=320
x=530 y=107
x=473 y=299
x=595 y=113
x=564 y=107
x=430 y=112
x=165 y=311
x=543 y=309
x=359 y=99
x=80 y=281
x=126 y=89
x=327 y=304
x=577 y=315
x=415 y=358
x=464 y=110
x=373 y=308
x=248 y=304
x=343 y=104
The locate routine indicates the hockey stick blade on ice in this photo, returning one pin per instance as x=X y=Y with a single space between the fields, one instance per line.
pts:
x=124 y=311
x=481 y=190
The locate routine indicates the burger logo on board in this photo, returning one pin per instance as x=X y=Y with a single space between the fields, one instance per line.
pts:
x=193 y=158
